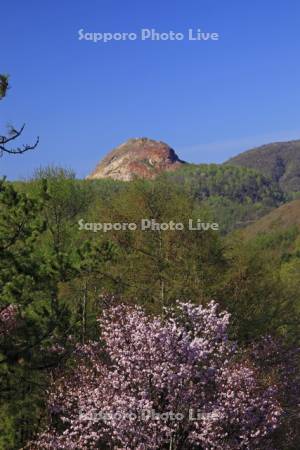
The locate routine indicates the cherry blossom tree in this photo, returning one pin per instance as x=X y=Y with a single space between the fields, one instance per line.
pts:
x=161 y=383
x=8 y=319
x=280 y=362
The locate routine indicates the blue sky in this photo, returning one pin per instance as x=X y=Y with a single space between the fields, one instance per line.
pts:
x=208 y=100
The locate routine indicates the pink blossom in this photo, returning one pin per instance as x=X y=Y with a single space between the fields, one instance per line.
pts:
x=137 y=387
x=8 y=319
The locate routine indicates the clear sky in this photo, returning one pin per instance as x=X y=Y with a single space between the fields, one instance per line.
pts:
x=208 y=100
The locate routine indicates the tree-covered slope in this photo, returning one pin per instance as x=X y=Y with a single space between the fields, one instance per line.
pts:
x=280 y=161
x=280 y=219
x=235 y=195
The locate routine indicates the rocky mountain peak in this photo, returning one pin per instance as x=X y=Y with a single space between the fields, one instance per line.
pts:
x=137 y=158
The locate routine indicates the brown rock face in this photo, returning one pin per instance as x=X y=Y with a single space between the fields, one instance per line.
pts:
x=137 y=158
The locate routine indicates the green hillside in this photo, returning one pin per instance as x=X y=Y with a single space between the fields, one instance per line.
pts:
x=279 y=161
x=234 y=195
x=282 y=218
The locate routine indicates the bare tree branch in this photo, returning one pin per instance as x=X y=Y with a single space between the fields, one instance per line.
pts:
x=14 y=134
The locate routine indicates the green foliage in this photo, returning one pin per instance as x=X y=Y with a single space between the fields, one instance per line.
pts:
x=38 y=258
x=279 y=161
x=255 y=294
x=155 y=267
x=4 y=80
x=58 y=276
x=235 y=195
x=235 y=183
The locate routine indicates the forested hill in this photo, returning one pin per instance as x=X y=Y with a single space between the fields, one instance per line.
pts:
x=234 y=195
x=58 y=276
x=280 y=161
x=280 y=219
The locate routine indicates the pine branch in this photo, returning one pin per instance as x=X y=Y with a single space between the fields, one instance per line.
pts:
x=14 y=134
